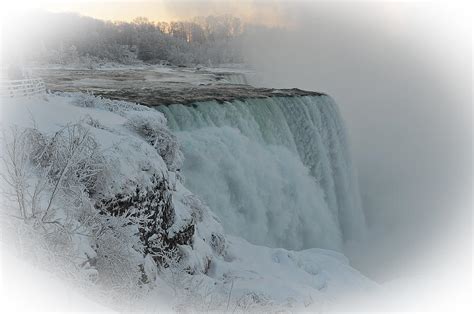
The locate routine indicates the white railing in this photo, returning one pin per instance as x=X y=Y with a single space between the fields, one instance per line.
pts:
x=21 y=88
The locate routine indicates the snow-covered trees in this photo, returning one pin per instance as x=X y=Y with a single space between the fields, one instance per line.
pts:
x=69 y=39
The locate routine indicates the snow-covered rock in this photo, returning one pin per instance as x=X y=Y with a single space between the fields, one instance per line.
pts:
x=162 y=236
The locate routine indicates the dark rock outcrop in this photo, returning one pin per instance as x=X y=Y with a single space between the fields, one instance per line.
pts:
x=152 y=209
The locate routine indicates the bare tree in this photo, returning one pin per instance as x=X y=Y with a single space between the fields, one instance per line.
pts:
x=37 y=167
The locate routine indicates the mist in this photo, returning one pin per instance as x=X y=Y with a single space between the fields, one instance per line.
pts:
x=401 y=75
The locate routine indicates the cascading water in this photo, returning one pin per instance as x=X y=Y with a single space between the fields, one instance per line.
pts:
x=276 y=171
x=235 y=78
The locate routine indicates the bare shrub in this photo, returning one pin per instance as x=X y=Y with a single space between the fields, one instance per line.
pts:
x=119 y=254
x=46 y=183
x=38 y=170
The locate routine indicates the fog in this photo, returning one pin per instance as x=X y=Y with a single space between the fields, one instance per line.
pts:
x=401 y=74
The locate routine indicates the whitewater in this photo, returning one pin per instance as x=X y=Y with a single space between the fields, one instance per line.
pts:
x=276 y=171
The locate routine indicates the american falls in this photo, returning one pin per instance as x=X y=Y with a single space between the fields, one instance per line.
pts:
x=276 y=170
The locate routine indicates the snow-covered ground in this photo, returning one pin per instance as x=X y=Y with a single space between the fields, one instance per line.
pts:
x=220 y=272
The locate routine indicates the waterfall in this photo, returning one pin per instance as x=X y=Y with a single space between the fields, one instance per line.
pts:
x=235 y=78
x=276 y=171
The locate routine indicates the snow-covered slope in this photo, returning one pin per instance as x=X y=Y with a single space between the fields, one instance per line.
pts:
x=146 y=214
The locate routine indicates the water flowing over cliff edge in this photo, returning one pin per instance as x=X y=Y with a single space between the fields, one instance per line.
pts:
x=273 y=164
x=277 y=171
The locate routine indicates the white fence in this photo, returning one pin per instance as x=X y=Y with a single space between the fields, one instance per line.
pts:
x=21 y=88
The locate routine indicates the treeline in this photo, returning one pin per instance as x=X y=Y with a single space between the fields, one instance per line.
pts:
x=67 y=38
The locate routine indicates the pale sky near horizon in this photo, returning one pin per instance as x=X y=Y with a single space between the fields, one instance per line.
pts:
x=266 y=12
